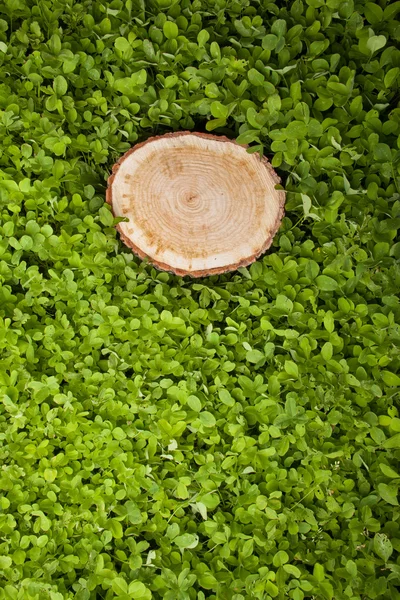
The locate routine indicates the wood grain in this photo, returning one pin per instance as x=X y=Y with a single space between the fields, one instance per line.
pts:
x=198 y=204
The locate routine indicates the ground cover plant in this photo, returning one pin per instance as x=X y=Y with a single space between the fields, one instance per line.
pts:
x=235 y=437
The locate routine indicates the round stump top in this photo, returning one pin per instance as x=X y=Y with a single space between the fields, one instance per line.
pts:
x=197 y=204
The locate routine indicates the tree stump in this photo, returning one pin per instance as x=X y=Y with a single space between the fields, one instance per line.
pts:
x=197 y=204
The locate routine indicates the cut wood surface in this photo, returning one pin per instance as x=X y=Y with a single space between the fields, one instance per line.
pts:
x=197 y=204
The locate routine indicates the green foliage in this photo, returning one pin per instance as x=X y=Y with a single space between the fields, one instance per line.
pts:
x=235 y=438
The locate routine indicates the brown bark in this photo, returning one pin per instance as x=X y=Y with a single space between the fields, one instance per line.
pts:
x=198 y=204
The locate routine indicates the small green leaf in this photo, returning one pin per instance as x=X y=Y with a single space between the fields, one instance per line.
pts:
x=254 y=356
x=115 y=528
x=122 y=44
x=207 y=419
x=296 y=130
x=388 y=493
x=388 y=471
x=351 y=568
x=138 y=591
x=269 y=42
x=5 y=562
x=391 y=77
x=119 y=586
x=133 y=512
x=202 y=38
x=106 y=216
x=390 y=379
x=60 y=85
x=375 y=43
x=382 y=546
x=248 y=136
x=218 y=110
x=194 y=403
x=255 y=77
x=214 y=124
x=280 y=558
x=292 y=570
x=271 y=589
x=187 y=540
x=319 y=572
x=373 y=12
x=226 y=398
x=170 y=30
x=327 y=351
x=291 y=368
x=382 y=153
x=306 y=204
x=326 y=284
x=393 y=442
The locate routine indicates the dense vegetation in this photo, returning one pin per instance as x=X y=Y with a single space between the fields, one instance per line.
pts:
x=235 y=437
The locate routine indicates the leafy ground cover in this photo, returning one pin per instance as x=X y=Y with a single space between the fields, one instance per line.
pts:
x=236 y=437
